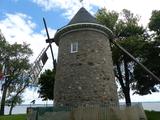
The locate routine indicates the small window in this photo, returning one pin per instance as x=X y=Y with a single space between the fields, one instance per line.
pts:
x=74 y=47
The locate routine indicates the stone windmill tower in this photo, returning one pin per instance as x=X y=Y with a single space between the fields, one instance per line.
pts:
x=84 y=71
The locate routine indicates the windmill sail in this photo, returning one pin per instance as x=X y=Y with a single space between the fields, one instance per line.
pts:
x=38 y=65
x=44 y=58
x=50 y=41
x=134 y=59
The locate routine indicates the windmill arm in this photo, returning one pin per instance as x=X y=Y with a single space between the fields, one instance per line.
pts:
x=135 y=60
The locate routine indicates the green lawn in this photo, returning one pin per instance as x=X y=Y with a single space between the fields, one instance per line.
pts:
x=151 y=115
x=14 y=117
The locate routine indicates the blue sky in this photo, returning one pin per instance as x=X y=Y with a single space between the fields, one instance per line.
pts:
x=54 y=17
x=21 y=21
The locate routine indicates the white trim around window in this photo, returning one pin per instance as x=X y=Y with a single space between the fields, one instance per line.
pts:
x=74 y=47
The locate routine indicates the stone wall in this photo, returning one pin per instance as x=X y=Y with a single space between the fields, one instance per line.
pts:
x=85 y=77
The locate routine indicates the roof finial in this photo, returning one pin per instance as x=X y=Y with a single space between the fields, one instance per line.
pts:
x=81 y=1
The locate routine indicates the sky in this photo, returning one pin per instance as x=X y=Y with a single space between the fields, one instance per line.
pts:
x=21 y=21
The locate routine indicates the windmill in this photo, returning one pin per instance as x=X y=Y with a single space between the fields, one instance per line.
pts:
x=86 y=63
x=84 y=74
x=51 y=40
x=42 y=58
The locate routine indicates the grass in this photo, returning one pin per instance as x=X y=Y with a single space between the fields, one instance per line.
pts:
x=14 y=117
x=151 y=115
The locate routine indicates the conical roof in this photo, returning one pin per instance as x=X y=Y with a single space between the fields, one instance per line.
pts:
x=82 y=16
x=82 y=19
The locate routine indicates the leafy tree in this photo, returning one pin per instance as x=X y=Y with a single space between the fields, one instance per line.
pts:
x=16 y=90
x=12 y=101
x=154 y=24
x=15 y=58
x=2 y=48
x=131 y=36
x=151 y=57
x=46 y=82
x=108 y=19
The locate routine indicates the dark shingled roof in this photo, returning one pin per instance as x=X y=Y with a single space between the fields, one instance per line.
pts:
x=82 y=16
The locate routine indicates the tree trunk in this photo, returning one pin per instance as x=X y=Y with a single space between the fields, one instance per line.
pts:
x=12 y=103
x=11 y=108
x=120 y=77
x=127 y=97
x=127 y=79
x=3 y=100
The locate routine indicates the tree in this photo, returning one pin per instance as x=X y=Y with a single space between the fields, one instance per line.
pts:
x=16 y=90
x=131 y=36
x=154 y=24
x=108 y=19
x=46 y=83
x=15 y=57
x=151 y=57
x=13 y=101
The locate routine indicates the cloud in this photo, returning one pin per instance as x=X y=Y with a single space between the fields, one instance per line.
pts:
x=19 y=28
x=32 y=94
x=143 y=8
x=145 y=98
x=14 y=24
x=70 y=7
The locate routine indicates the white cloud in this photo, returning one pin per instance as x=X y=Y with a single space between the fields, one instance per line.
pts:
x=15 y=26
x=20 y=28
x=140 y=7
x=70 y=6
x=145 y=98
x=31 y=94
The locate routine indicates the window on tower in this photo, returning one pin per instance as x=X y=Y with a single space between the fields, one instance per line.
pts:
x=74 y=47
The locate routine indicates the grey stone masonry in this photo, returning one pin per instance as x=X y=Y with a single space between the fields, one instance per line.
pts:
x=84 y=77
